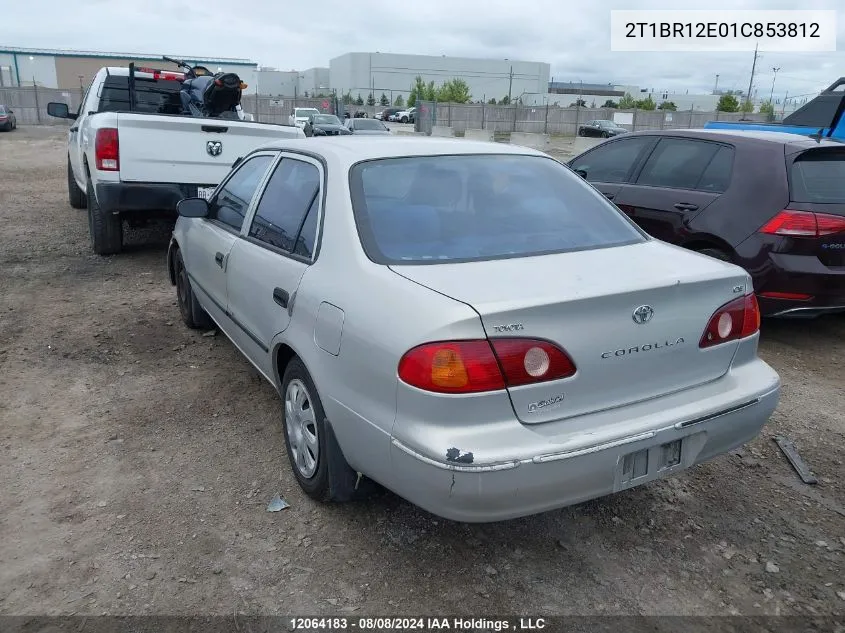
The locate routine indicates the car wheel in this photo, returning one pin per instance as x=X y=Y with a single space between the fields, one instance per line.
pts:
x=604 y=134
x=404 y=119
x=106 y=230
x=581 y=132
x=715 y=253
x=75 y=195
x=314 y=454
x=192 y=312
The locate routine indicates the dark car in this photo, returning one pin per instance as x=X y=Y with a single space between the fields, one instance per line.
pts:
x=8 y=122
x=602 y=128
x=771 y=202
x=385 y=114
x=367 y=126
x=324 y=125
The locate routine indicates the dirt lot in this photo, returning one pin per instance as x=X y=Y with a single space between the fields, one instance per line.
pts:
x=137 y=458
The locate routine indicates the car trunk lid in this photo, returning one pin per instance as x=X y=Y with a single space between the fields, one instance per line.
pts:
x=585 y=302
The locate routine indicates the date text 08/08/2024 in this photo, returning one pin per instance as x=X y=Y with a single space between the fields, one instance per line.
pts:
x=388 y=624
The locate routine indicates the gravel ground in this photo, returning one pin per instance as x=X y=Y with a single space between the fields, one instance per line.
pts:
x=137 y=458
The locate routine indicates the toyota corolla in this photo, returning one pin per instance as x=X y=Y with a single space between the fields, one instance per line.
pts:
x=471 y=325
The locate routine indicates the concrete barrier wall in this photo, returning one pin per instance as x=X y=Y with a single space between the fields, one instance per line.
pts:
x=582 y=143
x=529 y=139
x=442 y=130
x=478 y=135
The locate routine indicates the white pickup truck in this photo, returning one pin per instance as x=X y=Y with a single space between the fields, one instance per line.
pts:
x=133 y=155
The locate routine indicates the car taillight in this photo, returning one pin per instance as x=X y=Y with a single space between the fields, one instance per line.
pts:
x=735 y=320
x=474 y=366
x=791 y=223
x=107 y=149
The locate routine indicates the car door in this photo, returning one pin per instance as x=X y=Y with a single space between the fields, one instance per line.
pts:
x=208 y=241
x=611 y=164
x=267 y=264
x=75 y=133
x=680 y=178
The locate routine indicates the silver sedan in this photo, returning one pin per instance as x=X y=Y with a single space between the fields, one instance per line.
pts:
x=471 y=325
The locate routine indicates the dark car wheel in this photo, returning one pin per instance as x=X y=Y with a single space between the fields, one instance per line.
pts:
x=192 y=312
x=106 y=229
x=605 y=135
x=404 y=119
x=582 y=132
x=314 y=454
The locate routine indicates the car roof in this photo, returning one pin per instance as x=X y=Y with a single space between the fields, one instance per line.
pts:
x=798 y=141
x=350 y=149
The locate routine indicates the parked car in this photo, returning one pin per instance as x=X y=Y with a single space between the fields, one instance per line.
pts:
x=397 y=295
x=385 y=114
x=405 y=116
x=324 y=125
x=771 y=202
x=132 y=154
x=299 y=116
x=8 y=122
x=602 y=128
x=367 y=126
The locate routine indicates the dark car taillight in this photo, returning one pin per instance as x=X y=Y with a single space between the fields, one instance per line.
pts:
x=735 y=320
x=790 y=223
x=473 y=366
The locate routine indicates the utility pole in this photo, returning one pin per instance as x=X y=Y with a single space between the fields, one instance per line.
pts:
x=716 y=85
x=510 y=84
x=772 y=93
x=751 y=80
x=783 y=108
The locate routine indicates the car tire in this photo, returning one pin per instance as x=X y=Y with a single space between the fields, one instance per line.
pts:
x=105 y=229
x=605 y=135
x=404 y=119
x=581 y=132
x=315 y=456
x=75 y=195
x=193 y=314
x=715 y=253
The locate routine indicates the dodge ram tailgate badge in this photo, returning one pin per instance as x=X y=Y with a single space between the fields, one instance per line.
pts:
x=214 y=148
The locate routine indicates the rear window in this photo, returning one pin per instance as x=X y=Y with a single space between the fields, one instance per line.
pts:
x=152 y=96
x=818 y=176
x=2 y=109
x=433 y=209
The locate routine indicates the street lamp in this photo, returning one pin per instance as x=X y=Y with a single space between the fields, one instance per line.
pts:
x=772 y=93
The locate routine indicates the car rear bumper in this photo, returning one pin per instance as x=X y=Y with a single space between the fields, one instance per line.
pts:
x=121 y=197
x=551 y=471
x=805 y=275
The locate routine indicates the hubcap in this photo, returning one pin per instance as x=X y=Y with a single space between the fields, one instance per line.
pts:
x=301 y=425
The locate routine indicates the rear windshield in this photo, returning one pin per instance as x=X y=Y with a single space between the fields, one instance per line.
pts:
x=369 y=124
x=819 y=176
x=433 y=209
x=2 y=109
x=152 y=96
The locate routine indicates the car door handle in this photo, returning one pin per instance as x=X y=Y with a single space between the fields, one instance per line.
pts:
x=218 y=257
x=281 y=297
x=685 y=206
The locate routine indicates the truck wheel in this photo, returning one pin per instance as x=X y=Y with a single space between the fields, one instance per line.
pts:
x=75 y=195
x=106 y=229
x=192 y=312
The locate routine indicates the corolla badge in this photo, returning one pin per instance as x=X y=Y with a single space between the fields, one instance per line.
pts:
x=214 y=148
x=553 y=402
x=642 y=314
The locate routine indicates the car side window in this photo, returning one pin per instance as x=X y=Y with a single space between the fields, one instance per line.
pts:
x=717 y=175
x=288 y=208
x=231 y=202
x=677 y=163
x=613 y=161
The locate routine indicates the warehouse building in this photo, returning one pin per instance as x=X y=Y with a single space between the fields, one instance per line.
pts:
x=393 y=74
x=69 y=69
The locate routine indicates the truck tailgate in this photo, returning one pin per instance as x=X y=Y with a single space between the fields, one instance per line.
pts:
x=181 y=149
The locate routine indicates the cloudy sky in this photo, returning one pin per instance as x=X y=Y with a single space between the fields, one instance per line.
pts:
x=572 y=36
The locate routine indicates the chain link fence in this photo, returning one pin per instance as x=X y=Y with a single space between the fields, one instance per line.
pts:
x=549 y=119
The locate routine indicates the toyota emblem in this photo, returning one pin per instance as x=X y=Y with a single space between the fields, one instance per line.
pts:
x=643 y=314
x=214 y=148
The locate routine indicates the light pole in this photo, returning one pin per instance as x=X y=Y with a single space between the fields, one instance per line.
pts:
x=772 y=93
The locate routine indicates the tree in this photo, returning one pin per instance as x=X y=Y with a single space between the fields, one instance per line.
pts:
x=727 y=103
x=768 y=108
x=430 y=92
x=627 y=102
x=669 y=106
x=399 y=102
x=506 y=100
x=359 y=100
x=454 y=91
x=578 y=103
x=383 y=100
x=610 y=103
x=492 y=101
x=348 y=99
x=747 y=106
x=371 y=100
x=646 y=104
x=412 y=99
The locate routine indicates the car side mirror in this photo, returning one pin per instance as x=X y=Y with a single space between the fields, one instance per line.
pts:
x=59 y=110
x=581 y=173
x=193 y=208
